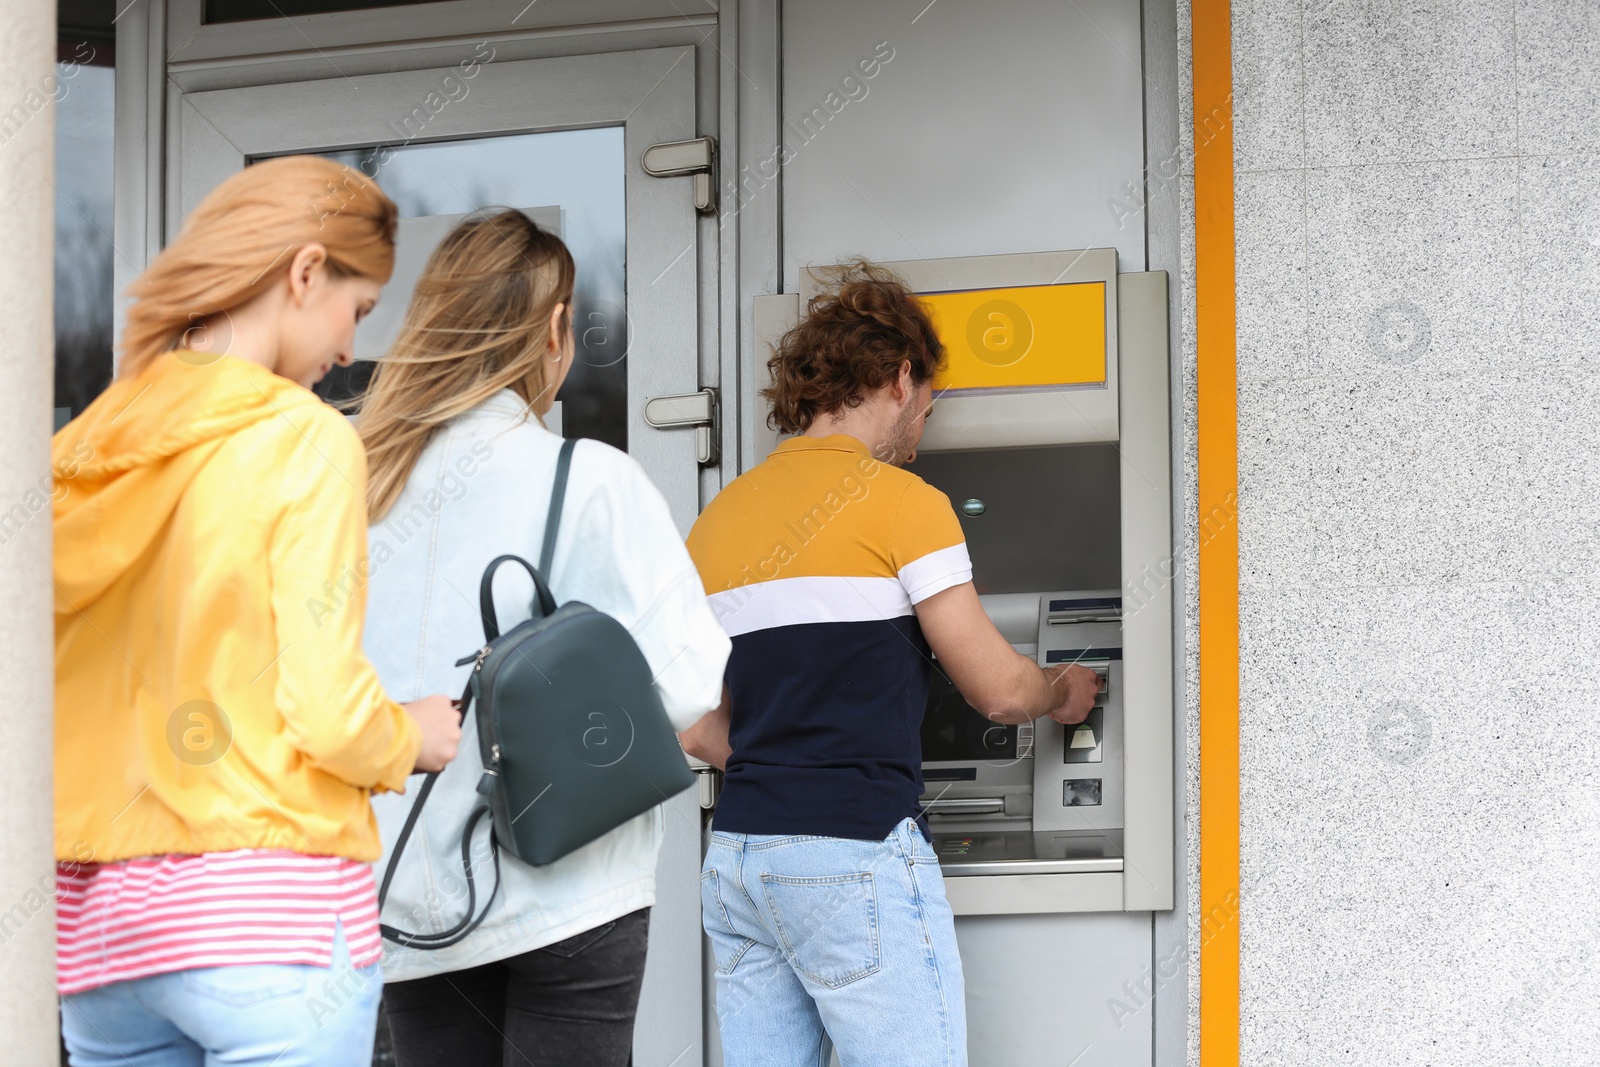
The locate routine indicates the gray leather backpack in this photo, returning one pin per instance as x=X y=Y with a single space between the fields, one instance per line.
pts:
x=572 y=733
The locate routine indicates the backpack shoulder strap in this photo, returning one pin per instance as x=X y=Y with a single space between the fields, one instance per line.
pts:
x=470 y=921
x=416 y=808
x=552 y=522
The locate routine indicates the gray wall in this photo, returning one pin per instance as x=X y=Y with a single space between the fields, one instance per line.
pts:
x=1006 y=126
x=1418 y=242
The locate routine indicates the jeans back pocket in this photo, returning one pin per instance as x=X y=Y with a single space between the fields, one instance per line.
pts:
x=577 y=943
x=245 y=984
x=828 y=925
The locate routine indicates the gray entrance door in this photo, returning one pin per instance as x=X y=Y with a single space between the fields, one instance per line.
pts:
x=561 y=137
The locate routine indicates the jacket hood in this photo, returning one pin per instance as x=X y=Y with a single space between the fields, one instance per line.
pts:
x=122 y=467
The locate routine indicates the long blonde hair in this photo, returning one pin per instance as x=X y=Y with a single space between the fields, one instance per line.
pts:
x=478 y=322
x=256 y=220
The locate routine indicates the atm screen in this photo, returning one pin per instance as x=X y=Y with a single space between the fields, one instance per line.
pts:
x=1035 y=518
x=952 y=730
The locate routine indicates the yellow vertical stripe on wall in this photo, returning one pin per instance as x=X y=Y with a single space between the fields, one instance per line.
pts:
x=1217 y=532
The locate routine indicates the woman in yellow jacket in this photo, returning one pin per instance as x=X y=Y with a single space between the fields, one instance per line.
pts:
x=218 y=729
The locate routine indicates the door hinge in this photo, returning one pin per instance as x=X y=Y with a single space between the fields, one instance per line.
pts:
x=674 y=159
x=699 y=410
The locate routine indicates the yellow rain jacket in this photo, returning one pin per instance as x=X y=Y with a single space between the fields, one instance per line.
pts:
x=210 y=580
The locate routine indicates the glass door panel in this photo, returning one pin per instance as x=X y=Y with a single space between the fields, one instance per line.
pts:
x=571 y=181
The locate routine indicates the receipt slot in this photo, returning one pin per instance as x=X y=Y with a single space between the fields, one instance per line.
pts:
x=1050 y=435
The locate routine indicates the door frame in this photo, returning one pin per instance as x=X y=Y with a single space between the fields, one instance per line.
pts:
x=157 y=97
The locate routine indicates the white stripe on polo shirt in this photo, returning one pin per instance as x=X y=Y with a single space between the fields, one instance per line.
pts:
x=936 y=572
x=797 y=601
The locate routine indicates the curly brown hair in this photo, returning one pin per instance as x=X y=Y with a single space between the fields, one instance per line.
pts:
x=855 y=336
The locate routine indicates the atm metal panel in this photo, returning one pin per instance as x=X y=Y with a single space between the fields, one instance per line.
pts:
x=1079 y=482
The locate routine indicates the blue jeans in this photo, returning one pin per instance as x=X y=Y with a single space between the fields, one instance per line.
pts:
x=285 y=1015
x=826 y=941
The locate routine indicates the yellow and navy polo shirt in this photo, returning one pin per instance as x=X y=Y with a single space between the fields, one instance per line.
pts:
x=813 y=561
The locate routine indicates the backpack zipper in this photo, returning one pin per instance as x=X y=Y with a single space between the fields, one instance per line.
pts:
x=476 y=659
x=494 y=749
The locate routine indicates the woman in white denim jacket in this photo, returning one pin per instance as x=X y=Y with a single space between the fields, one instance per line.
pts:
x=461 y=472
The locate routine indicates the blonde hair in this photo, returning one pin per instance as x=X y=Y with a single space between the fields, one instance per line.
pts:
x=478 y=322
x=254 y=221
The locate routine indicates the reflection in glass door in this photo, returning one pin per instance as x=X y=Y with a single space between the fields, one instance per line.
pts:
x=571 y=181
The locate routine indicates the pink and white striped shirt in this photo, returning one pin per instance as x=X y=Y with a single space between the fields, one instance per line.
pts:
x=157 y=914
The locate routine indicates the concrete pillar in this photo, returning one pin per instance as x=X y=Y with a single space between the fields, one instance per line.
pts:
x=27 y=647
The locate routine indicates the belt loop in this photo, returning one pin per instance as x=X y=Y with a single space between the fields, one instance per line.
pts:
x=908 y=846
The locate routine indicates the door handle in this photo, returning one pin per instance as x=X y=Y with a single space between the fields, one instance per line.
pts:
x=678 y=410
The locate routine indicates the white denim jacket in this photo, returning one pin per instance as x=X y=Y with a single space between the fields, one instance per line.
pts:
x=481 y=489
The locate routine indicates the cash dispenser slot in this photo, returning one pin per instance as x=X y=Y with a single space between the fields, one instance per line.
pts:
x=965 y=806
x=1026 y=852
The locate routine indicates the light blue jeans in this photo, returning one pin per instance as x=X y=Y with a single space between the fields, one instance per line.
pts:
x=826 y=941
x=284 y=1015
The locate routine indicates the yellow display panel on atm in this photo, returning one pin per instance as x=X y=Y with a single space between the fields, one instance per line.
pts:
x=1021 y=337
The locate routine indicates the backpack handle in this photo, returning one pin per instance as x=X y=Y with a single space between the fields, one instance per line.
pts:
x=543 y=602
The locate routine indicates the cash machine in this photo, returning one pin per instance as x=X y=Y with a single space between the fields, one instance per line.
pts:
x=1050 y=435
